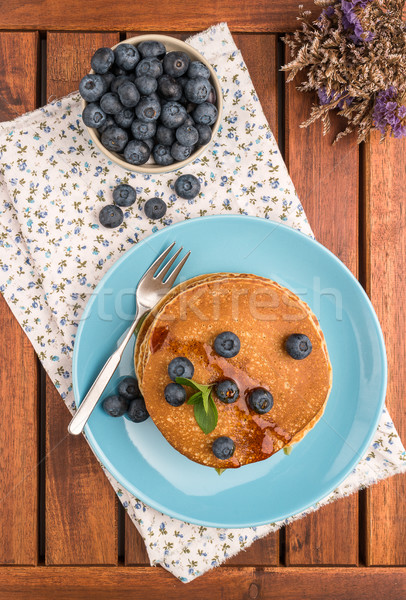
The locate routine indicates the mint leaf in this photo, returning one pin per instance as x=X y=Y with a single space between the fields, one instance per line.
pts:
x=206 y=394
x=220 y=471
x=287 y=450
x=195 y=398
x=207 y=421
x=190 y=383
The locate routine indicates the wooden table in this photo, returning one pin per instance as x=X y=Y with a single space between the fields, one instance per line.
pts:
x=63 y=533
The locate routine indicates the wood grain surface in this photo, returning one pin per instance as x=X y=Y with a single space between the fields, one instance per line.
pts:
x=19 y=449
x=385 y=255
x=81 y=509
x=98 y=15
x=326 y=180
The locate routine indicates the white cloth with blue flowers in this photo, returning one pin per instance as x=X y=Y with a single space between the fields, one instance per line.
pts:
x=53 y=252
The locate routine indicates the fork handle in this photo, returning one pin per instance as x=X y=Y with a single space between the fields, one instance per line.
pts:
x=89 y=402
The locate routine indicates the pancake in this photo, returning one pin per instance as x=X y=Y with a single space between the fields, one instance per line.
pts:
x=262 y=314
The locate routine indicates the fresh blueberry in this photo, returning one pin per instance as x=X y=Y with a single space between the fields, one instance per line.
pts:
x=204 y=132
x=128 y=94
x=137 y=411
x=111 y=216
x=197 y=90
x=180 y=152
x=92 y=87
x=183 y=79
x=212 y=97
x=128 y=387
x=114 y=139
x=146 y=84
x=109 y=122
x=189 y=121
x=187 y=186
x=173 y=115
x=198 y=69
x=227 y=391
x=169 y=88
x=111 y=104
x=118 y=71
x=142 y=130
x=115 y=406
x=227 y=344
x=164 y=135
x=148 y=109
x=137 y=152
x=261 y=400
x=176 y=63
x=125 y=195
x=124 y=118
x=187 y=135
x=93 y=116
x=102 y=60
x=151 y=48
x=180 y=367
x=205 y=114
x=162 y=155
x=298 y=346
x=149 y=66
x=155 y=208
x=126 y=56
x=154 y=96
x=175 y=394
x=108 y=78
x=150 y=142
x=117 y=82
x=223 y=447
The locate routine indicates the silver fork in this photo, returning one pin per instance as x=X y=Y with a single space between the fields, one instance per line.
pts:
x=151 y=288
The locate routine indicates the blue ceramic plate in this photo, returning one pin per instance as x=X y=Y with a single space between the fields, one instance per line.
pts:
x=140 y=458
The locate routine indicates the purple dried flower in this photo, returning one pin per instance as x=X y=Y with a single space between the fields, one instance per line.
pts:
x=389 y=113
x=325 y=98
x=351 y=21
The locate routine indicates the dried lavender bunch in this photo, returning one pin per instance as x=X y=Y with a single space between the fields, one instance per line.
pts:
x=354 y=56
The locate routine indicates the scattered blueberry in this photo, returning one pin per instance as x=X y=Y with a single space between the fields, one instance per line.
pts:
x=173 y=115
x=115 y=406
x=155 y=208
x=93 y=116
x=298 y=346
x=151 y=48
x=198 y=69
x=175 y=394
x=180 y=152
x=162 y=155
x=169 y=88
x=92 y=87
x=102 y=60
x=111 y=216
x=114 y=139
x=125 y=195
x=176 y=63
x=124 y=118
x=204 y=132
x=142 y=130
x=146 y=84
x=227 y=344
x=149 y=66
x=187 y=186
x=164 y=135
x=197 y=90
x=227 y=391
x=128 y=387
x=187 y=135
x=261 y=400
x=223 y=447
x=180 y=367
x=128 y=94
x=126 y=56
x=205 y=114
x=137 y=411
x=137 y=152
x=148 y=109
x=111 y=104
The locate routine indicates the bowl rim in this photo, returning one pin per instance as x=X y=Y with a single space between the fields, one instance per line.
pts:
x=158 y=169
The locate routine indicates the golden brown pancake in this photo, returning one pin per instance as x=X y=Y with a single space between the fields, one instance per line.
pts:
x=262 y=314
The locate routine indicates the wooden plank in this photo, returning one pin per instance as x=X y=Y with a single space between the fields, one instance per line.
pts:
x=154 y=15
x=326 y=179
x=385 y=254
x=121 y=583
x=135 y=552
x=18 y=363
x=81 y=509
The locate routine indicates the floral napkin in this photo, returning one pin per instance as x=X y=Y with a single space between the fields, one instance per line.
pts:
x=53 y=252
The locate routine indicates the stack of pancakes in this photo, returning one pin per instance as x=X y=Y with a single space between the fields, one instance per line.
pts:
x=262 y=314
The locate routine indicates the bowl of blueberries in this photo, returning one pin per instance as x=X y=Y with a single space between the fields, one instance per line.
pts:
x=151 y=103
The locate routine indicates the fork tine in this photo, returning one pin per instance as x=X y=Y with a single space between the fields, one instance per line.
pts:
x=161 y=274
x=171 y=279
x=157 y=263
